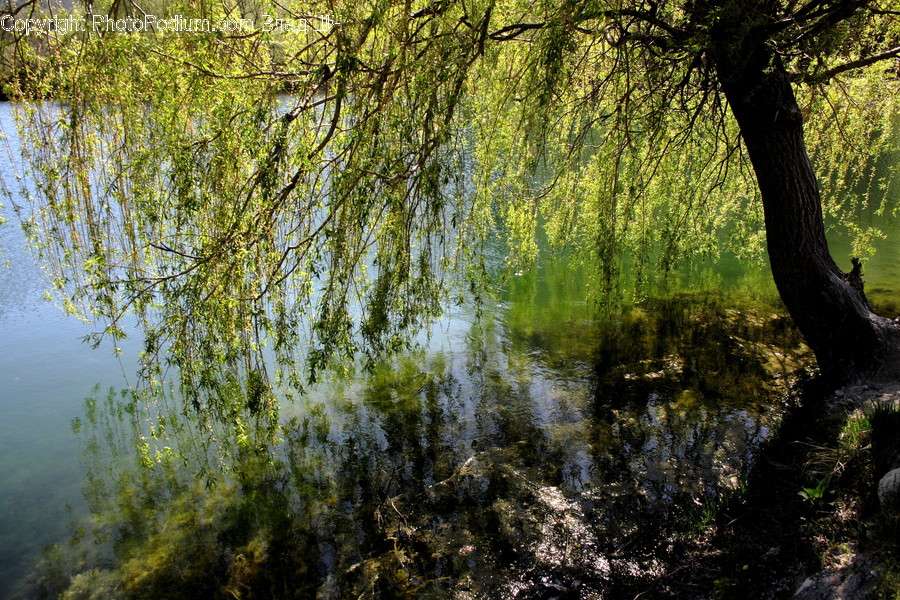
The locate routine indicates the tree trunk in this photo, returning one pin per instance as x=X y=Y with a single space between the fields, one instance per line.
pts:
x=827 y=304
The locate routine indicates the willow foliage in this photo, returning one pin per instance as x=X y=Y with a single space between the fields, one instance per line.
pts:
x=247 y=193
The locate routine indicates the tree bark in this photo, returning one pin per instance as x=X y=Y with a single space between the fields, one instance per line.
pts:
x=827 y=304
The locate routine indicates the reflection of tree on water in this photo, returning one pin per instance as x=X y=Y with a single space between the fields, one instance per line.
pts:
x=479 y=474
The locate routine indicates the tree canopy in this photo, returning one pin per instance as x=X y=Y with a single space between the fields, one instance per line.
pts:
x=248 y=186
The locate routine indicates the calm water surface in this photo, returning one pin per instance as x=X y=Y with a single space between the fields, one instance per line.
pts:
x=545 y=444
x=45 y=374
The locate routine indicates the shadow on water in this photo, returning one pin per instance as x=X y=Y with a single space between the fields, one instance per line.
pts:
x=552 y=455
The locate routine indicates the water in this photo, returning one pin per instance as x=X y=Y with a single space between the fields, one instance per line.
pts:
x=45 y=373
x=545 y=444
x=506 y=457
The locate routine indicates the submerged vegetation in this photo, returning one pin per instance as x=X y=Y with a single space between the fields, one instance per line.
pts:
x=483 y=472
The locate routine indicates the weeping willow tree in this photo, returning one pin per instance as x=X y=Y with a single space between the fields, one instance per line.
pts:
x=268 y=177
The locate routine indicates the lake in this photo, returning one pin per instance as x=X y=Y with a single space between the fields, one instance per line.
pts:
x=546 y=443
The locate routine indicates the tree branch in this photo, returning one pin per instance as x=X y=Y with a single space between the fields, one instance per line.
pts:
x=512 y=31
x=819 y=13
x=855 y=64
x=832 y=16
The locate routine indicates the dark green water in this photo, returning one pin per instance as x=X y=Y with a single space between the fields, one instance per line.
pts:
x=547 y=443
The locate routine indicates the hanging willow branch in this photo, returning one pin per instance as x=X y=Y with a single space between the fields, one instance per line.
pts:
x=175 y=181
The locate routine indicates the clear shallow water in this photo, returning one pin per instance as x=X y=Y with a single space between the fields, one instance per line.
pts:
x=573 y=449
x=545 y=443
x=45 y=373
